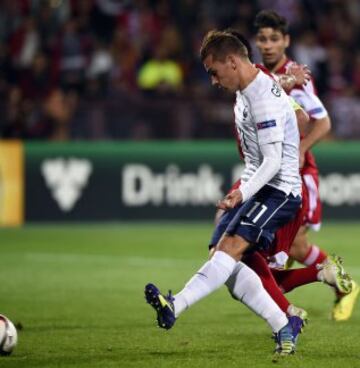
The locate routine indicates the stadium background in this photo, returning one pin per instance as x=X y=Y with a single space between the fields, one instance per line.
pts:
x=70 y=69
x=108 y=121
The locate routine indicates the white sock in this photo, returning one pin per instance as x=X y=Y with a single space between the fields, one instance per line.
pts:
x=312 y=255
x=245 y=285
x=210 y=277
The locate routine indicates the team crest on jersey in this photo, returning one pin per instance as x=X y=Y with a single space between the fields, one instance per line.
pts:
x=266 y=124
x=245 y=112
x=276 y=90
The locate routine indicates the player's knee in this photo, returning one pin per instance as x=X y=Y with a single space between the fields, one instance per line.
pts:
x=235 y=246
x=225 y=244
x=300 y=248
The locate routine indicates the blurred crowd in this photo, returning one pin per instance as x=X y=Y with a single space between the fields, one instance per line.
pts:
x=129 y=69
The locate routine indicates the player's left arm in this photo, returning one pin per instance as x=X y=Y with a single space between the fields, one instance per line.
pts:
x=320 y=120
x=317 y=130
x=302 y=117
x=303 y=120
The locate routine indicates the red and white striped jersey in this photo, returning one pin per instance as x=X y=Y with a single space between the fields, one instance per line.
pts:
x=306 y=96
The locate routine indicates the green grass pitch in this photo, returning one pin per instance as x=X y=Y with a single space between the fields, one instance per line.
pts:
x=78 y=292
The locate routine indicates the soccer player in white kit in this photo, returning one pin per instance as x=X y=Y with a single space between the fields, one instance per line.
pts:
x=269 y=196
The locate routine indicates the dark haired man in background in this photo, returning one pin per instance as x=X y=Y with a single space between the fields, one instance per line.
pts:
x=272 y=40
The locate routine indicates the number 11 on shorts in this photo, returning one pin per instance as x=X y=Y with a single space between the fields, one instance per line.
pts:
x=253 y=209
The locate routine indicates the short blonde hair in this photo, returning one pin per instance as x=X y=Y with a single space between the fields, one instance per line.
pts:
x=219 y=44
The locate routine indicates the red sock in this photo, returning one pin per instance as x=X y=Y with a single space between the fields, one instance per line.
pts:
x=290 y=279
x=256 y=262
x=314 y=255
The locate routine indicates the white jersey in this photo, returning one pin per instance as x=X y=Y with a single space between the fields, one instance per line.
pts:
x=263 y=115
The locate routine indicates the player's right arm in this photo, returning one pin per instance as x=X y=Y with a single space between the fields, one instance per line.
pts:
x=270 y=165
x=268 y=114
x=297 y=74
x=271 y=116
x=302 y=119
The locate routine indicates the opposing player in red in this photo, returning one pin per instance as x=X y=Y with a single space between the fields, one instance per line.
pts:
x=272 y=40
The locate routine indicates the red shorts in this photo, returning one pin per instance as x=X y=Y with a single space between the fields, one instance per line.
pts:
x=314 y=213
x=309 y=214
x=285 y=236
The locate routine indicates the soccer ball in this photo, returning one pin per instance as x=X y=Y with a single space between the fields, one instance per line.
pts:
x=8 y=336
